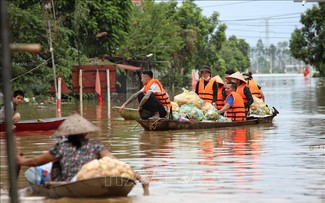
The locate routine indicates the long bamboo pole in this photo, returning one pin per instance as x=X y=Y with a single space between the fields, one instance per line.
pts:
x=108 y=94
x=6 y=76
x=80 y=92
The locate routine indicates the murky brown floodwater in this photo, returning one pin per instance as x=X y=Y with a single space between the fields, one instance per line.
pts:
x=281 y=162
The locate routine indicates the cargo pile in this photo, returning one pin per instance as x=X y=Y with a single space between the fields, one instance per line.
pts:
x=188 y=106
x=105 y=167
x=259 y=108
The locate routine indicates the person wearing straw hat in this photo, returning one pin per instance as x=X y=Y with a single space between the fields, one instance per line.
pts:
x=255 y=89
x=242 y=89
x=221 y=96
x=234 y=107
x=73 y=153
x=206 y=88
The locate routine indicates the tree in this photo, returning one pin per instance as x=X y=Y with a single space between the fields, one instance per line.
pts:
x=235 y=54
x=308 y=43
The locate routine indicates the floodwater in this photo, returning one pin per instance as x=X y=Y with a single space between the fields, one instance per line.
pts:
x=279 y=162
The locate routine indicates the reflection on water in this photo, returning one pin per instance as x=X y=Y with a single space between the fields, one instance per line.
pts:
x=279 y=162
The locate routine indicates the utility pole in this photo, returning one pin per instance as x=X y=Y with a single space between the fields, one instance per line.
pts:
x=267 y=40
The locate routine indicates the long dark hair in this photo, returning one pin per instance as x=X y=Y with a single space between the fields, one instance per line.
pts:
x=76 y=140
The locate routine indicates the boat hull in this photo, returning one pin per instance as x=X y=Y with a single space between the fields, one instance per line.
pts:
x=35 y=125
x=94 y=187
x=167 y=124
x=128 y=113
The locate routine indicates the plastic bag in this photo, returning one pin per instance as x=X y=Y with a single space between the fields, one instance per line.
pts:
x=191 y=112
x=188 y=97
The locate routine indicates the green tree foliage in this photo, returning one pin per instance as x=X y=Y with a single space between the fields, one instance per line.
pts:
x=235 y=54
x=74 y=25
x=308 y=43
x=178 y=36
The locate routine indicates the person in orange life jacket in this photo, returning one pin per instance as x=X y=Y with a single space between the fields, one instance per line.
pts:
x=242 y=89
x=255 y=89
x=206 y=88
x=153 y=100
x=234 y=107
x=221 y=96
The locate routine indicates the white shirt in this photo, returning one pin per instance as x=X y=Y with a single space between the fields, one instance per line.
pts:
x=154 y=88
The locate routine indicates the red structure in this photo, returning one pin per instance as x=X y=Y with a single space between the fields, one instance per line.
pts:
x=89 y=78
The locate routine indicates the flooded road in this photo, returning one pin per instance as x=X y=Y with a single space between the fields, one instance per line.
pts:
x=279 y=162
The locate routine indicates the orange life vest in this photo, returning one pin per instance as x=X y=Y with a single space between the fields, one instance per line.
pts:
x=240 y=91
x=237 y=111
x=220 y=99
x=254 y=89
x=206 y=93
x=162 y=96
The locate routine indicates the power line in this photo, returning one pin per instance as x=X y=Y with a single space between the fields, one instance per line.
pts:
x=254 y=31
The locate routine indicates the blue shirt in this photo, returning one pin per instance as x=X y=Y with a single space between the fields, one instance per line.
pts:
x=230 y=100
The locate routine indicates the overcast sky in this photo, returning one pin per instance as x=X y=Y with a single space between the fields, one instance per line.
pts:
x=247 y=19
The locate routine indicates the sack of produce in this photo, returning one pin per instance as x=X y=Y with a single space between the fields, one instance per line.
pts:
x=175 y=106
x=105 y=167
x=207 y=106
x=191 y=112
x=258 y=107
x=212 y=114
x=224 y=119
x=188 y=97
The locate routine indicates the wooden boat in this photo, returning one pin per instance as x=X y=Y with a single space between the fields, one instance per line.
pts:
x=128 y=113
x=167 y=124
x=94 y=187
x=36 y=125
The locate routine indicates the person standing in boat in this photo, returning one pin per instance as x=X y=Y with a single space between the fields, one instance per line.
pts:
x=221 y=96
x=234 y=107
x=206 y=88
x=153 y=100
x=255 y=89
x=17 y=100
x=242 y=89
x=70 y=155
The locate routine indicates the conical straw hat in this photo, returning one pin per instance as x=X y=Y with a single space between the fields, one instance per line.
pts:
x=237 y=76
x=218 y=79
x=74 y=125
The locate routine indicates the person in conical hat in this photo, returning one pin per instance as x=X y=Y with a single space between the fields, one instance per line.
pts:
x=206 y=88
x=221 y=95
x=70 y=155
x=242 y=89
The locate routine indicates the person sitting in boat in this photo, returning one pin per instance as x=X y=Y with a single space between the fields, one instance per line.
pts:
x=17 y=100
x=206 y=88
x=234 y=107
x=153 y=100
x=221 y=96
x=242 y=89
x=255 y=89
x=73 y=153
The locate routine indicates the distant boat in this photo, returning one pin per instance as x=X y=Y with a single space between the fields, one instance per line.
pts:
x=93 y=187
x=128 y=113
x=44 y=124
